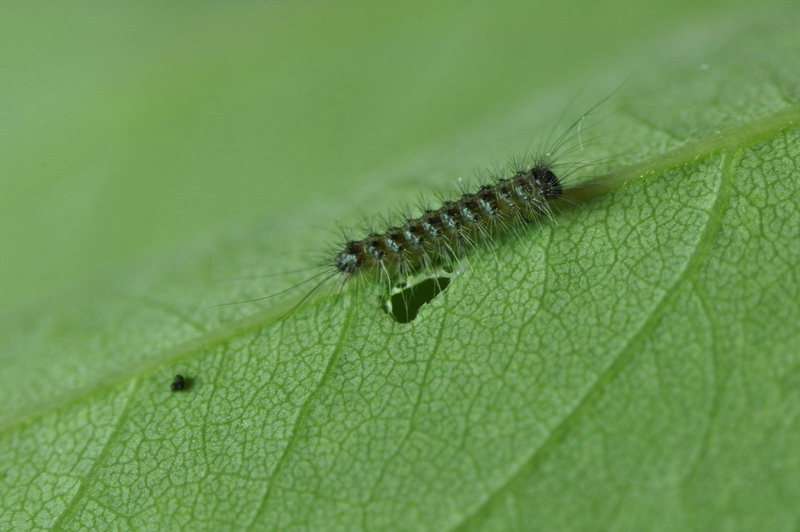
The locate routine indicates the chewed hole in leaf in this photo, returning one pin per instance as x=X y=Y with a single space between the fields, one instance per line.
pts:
x=403 y=303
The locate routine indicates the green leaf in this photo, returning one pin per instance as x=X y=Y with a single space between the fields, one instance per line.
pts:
x=633 y=364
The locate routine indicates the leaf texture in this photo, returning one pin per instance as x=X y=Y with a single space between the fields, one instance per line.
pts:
x=635 y=364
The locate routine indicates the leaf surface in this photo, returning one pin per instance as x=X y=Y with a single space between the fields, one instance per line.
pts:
x=633 y=364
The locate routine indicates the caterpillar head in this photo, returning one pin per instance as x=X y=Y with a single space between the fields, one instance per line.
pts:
x=348 y=261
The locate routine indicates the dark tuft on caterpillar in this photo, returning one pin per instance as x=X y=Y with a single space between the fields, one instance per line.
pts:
x=551 y=186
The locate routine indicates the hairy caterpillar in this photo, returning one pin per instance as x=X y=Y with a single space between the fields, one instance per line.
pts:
x=413 y=260
x=447 y=232
x=442 y=236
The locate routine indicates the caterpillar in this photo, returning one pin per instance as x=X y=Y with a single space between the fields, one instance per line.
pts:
x=442 y=236
x=445 y=233
x=429 y=244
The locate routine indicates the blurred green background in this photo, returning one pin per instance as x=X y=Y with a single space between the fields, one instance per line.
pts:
x=128 y=129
